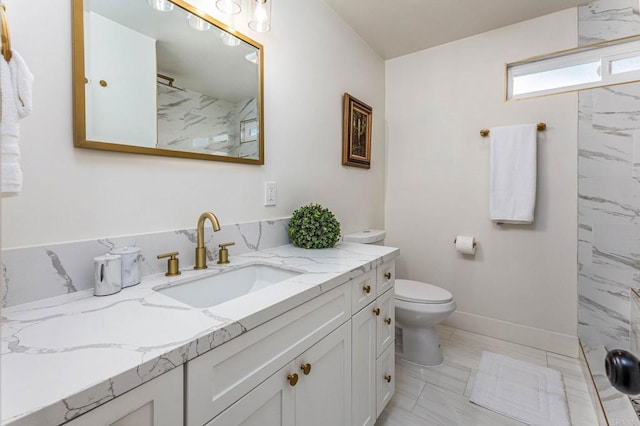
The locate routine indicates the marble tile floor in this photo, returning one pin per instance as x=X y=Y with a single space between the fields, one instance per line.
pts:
x=439 y=396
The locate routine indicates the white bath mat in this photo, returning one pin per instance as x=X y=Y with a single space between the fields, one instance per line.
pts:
x=520 y=390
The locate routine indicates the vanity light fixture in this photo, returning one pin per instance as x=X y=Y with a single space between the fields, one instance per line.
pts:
x=260 y=15
x=252 y=57
x=161 y=5
x=232 y=7
x=229 y=39
x=198 y=23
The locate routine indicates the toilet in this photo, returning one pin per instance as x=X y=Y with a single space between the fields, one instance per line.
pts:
x=419 y=307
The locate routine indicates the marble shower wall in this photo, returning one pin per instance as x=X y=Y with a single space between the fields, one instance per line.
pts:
x=40 y=272
x=608 y=187
x=192 y=121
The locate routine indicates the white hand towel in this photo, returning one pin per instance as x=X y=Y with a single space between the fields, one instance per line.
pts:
x=16 y=102
x=512 y=188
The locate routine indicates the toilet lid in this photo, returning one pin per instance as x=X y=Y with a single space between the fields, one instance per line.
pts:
x=419 y=292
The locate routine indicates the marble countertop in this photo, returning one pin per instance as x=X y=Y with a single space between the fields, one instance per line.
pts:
x=63 y=356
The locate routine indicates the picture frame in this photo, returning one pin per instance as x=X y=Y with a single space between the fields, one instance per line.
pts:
x=249 y=130
x=356 y=133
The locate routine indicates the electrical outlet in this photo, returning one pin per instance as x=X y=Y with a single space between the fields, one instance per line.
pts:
x=270 y=193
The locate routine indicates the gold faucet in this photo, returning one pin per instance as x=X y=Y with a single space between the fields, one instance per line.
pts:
x=201 y=251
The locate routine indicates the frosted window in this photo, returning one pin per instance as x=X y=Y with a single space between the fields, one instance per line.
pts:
x=553 y=79
x=582 y=68
x=625 y=65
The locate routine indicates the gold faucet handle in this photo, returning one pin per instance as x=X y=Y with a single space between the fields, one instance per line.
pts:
x=223 y=253
x=173 y=263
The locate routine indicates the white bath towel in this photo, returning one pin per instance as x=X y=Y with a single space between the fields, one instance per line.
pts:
x=16 y=83
x=512 y=187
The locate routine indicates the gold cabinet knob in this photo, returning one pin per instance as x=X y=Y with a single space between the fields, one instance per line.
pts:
x=376 y=311
x=388 y=321
x=103 y=83
x=366 y=289
x=387 y=378
x=388 y=275
x=293 y=379
x=306 y=368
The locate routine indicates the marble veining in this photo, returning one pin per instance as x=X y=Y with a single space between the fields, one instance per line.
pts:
x=40 y=272
x=192 y=121
x=105 y=346
x=608 y=206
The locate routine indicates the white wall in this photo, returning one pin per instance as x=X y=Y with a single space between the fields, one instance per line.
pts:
x=311 y=59
x=521 y=285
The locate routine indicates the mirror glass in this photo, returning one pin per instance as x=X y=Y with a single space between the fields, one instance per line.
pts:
x=175 y=82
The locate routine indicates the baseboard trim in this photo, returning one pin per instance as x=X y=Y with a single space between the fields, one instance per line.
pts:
x=562 y=344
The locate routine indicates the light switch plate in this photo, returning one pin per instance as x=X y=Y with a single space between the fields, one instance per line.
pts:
x=270 y=193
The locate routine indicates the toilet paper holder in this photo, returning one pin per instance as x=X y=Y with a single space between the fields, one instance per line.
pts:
x=475 y=243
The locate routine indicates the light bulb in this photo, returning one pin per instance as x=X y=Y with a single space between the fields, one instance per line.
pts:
x=260 y=15
x=198 y=23
x=161 y=5
x=231 y=7
x=229 y=39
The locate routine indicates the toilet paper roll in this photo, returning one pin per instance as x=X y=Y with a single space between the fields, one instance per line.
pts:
x=107 y=275
x=465 y=244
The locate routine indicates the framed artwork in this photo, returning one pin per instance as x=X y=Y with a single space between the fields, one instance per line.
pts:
x=356 y=133
x=249 y=130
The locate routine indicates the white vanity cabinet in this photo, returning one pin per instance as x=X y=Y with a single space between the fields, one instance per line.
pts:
x=218 y=378
x=159 y=402
x=373 y=368
x=310 y=390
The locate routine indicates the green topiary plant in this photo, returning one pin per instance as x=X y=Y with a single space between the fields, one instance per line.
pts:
x=313 y=226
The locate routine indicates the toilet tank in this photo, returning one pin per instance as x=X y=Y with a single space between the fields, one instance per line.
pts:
x=368 y=236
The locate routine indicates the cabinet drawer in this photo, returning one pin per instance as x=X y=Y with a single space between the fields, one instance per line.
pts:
x=363 y=290
x=386 y=379
x=386 y=324
x=223 y=375
x=386 y=277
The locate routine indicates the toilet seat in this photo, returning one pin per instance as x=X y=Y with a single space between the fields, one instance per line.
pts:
x=419 y=292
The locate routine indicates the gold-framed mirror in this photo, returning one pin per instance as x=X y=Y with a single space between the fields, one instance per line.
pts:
x=173 y=83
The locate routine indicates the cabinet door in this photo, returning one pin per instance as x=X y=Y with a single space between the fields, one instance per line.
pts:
x=363 y=290
x=323 y=396
x=270 y=404
x=363 y=367
x=385 y=378
x=121 y=86
x=386 y=321
x=386 y=277
x=155 y=403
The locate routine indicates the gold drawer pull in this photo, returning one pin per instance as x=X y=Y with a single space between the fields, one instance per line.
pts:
x=103 y=83
x=387 y=378
x=388 y=275
x=366 y=289
x=376 y=311
x=293 y=379
x=306 y=368
x=388 y=321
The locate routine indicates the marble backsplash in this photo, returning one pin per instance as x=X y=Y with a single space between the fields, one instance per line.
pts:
x=39 y=272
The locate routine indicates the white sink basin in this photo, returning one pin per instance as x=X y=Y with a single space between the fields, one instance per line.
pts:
x=216 y=289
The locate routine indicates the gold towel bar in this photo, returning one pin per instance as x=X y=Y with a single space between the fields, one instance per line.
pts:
x=485 y=132
x=6 y=41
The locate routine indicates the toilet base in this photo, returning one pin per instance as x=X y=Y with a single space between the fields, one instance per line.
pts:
x=419 y=345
